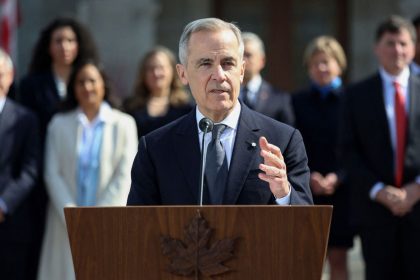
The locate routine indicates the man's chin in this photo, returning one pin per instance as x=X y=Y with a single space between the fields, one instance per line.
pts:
x=226 y=107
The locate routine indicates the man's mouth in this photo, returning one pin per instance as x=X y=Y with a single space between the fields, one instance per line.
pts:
x=219 y=91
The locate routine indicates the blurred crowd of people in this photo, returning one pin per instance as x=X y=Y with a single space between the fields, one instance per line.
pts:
x=65 y=143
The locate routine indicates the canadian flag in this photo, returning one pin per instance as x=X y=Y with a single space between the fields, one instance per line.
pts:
x=9 y=22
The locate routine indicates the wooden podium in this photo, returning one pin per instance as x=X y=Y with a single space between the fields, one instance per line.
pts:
x=209 y=242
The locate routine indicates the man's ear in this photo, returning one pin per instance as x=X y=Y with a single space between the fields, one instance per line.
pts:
x=242 y=70
x=182 y=74
x=263 y=62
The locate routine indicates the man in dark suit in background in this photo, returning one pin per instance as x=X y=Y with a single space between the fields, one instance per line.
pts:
x=256 y=92
x=19 y=160
x=381 y=146
x=264 y=161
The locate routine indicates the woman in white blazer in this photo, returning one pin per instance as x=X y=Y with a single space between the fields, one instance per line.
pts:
x=89 y=152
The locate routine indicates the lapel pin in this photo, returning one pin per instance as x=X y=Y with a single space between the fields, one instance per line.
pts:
x=252 y=145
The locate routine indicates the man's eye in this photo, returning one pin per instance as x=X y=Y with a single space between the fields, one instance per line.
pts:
x=205 y=63
x=228 y=64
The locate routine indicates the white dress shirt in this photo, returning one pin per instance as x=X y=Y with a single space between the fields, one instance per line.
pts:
x=2 y=101
x=61 y=86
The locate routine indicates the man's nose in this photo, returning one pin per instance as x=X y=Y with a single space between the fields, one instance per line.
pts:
x=219 y=73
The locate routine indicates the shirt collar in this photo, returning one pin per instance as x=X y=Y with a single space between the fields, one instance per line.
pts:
x=402 y=78
x=104 y=115
x=2 y=102
x=231 y=120
x=255 y=83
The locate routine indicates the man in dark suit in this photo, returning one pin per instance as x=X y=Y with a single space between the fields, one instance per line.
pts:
x=264 y=161
x=381 y=146
x=256 y=92
x=18 y=174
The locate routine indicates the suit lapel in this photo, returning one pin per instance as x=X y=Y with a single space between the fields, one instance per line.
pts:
x=7 y=118
x=73 y=136
x=109 y=137
x=243 y=155
x=51 y=81
x=414 y=89
x=413 y=134
x=377 y=106
x=187 y=151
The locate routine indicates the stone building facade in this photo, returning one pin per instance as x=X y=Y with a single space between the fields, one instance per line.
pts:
x=124 y=30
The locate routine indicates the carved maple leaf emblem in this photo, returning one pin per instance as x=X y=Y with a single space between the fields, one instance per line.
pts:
x=193 y=256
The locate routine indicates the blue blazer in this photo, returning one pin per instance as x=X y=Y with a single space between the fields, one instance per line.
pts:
x=167 y=165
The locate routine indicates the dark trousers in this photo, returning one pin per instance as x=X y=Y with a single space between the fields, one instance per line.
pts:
x=391 y=252
x=21 y=239
x=16 y=261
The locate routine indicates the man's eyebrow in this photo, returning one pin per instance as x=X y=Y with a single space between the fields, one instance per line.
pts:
x=229 y=58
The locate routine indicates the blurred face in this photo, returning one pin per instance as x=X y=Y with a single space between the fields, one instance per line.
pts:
x=89 y=88
x=6 y=78
x=214 y=72
x=63 y=46
x=254 y=60
x=395 y=51
x=159 y=73
x=323 y=68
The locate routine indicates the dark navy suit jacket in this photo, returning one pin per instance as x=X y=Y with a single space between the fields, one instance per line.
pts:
x=39 y=93
x=19 y=156
x=19 y=171
x=167 y=166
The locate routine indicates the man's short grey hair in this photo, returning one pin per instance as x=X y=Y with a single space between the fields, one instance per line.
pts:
x=5 y=58
x=206 y=24
x=252 y=37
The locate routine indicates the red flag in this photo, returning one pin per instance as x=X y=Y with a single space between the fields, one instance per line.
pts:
x=9 y=22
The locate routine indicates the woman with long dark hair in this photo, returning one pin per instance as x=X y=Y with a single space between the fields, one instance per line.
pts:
x=61 y=44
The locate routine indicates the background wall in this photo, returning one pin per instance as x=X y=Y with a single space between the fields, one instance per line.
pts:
x=124 y=30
